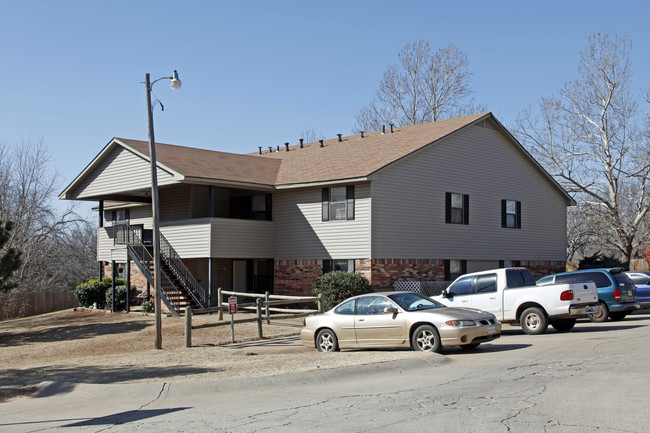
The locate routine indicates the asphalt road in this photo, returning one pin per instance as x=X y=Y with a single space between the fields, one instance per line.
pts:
x=595 y=378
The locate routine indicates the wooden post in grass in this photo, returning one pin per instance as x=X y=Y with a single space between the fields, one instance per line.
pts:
x=188 y=326
x=258 y=301
x=266 y=312
x=219 y=302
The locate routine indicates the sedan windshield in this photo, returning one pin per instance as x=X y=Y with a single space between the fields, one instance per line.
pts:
x=413 y=302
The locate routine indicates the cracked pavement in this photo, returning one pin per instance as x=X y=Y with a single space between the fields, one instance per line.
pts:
x=593 y=379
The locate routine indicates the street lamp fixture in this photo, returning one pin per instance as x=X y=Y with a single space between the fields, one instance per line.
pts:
x=175 y=84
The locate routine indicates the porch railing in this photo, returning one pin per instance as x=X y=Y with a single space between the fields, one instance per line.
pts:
x=124 y=234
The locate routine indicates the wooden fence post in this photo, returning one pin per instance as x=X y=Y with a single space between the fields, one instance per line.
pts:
x=258 y=301
x=219 y=301
x=266 y=312
x=188 y=326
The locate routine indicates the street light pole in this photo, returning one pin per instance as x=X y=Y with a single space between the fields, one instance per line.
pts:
x=176 y=84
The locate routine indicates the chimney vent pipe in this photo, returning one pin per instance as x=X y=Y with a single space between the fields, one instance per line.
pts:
x=301 y=145
x=340 y=139
x=321 y=143
x=270 y=149
x=286 y=147
x=383 y=129
x=260 y=147
x=391 y=127
x=361 y=134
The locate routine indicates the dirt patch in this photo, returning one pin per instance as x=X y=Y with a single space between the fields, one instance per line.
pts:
x=89 y=346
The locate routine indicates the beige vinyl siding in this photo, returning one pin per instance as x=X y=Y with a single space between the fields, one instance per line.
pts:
x=190 y=238
x=239 y=238
x=120 y=171
x=106 y=250
x=409 y=203
x=300 y=232
x=141 y=215
x=104 y=243
x=481 y=265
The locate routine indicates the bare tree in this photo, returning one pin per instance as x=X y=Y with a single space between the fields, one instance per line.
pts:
x=310 y=135
x=586 y=137
x=426 y=86
x=47 y=238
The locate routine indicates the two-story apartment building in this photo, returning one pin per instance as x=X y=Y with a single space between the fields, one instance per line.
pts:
x=423 y=202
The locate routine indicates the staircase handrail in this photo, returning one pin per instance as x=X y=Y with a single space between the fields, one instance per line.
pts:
x=191 y=284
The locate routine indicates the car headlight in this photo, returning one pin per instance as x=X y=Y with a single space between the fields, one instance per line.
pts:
x=461 y=323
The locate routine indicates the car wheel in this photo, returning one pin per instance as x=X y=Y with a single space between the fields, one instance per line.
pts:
x=617 y=316
x=470 y=346
x=426 y=339
x=533 y=321
x=602 y=315
x=326 y=341
x=563 y=325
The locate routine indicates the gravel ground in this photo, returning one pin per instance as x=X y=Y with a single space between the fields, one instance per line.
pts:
x=89 y=346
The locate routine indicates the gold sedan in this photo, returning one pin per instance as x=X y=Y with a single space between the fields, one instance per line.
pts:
x=398 y=319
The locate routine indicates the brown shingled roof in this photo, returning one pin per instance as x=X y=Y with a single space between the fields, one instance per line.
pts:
x=354 y=157
x=210 y=164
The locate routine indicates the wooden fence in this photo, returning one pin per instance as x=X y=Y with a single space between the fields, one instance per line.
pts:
x=264 y=304
x=23 y=304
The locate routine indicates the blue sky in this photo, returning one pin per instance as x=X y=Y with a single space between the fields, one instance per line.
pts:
x=258 y=73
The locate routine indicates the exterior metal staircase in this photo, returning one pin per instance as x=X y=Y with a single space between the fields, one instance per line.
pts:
x=179 y=288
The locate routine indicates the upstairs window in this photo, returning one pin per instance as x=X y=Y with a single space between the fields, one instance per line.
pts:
x=510 y=214
x=262 y=207
x=120 y=216
x=456 y=208
x=338 y=203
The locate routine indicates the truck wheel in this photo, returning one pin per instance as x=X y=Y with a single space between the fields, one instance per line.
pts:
x=602 y=315
x=617 y=316
x=563 y=325
x=533 y=321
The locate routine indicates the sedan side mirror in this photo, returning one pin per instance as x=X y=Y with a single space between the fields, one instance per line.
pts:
x=447 y=294
x=391 y=310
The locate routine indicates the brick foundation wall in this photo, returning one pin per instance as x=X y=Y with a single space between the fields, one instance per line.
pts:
x=295 y=277
x=540 y=268
x=137 y=278
x=385 y=272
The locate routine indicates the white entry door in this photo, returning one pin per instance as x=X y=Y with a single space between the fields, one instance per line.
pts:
x=239 y=280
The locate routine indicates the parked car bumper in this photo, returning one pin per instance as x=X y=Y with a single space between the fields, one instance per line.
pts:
x=623 y=307
x=457 y=336
x=582 y=310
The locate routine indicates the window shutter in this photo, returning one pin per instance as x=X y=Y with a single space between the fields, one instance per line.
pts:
x=502 y=263
x=349 y=196
x=504 y=221
x=127 y=215
x=351 y=266
x=327 y=266
x=465 y=209
x=463 y=267
x=447 y=269
x=518 y=215
x=269 y=207
x=447 y=208
x=326 y=204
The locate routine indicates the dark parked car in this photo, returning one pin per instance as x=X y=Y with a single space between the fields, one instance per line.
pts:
x=641 y=280
x=616 y=292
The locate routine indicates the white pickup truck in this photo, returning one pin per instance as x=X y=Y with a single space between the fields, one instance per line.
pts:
x=512 y=296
